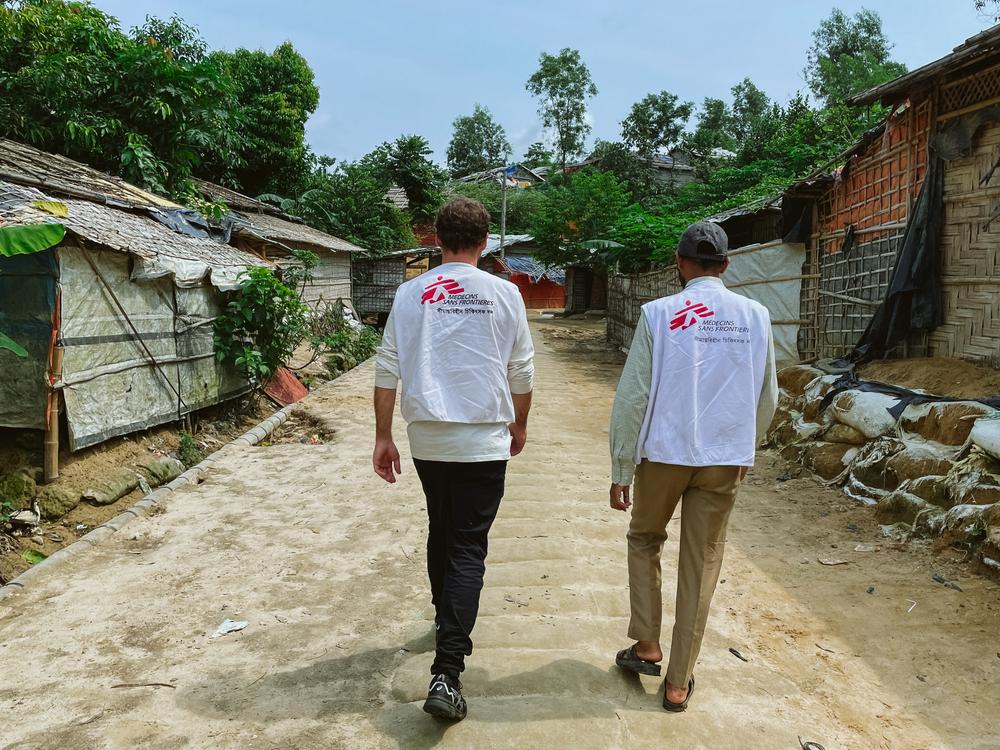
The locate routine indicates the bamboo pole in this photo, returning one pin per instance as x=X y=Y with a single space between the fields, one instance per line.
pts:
x=51 y=455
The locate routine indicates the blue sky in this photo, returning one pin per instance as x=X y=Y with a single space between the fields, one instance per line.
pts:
x=385 y=67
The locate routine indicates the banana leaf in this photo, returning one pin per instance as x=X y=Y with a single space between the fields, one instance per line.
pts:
x=24 y=239
x=12 y=346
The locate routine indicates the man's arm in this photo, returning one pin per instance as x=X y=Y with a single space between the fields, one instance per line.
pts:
x=520 y=380
x=629 y=410
x=385 y=457
x=768 y=401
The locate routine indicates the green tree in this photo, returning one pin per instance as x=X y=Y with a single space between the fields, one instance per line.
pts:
x=575 y=214
x=537 y=156
x=148 y=105
x=849 y=54
x=478 y=143
x=563 y=84
x=655 y=123
x=522 y=205
x=276 y=94
x=713 y=130
x=405 y=162
x=630 y=169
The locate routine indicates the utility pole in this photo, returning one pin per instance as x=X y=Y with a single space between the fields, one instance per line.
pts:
x=503 y=212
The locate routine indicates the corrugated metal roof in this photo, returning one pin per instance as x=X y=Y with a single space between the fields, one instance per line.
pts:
x=534 y=269
x=158 y=250
x=971 y=50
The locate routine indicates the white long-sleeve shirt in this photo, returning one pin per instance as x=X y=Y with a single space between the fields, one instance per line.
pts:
x=457 y=339
x=713 y=384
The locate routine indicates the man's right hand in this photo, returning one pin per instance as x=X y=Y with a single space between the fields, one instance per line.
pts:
x=385 y=459
x=620 y=496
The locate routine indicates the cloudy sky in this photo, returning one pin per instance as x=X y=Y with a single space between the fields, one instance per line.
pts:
x=386 y=67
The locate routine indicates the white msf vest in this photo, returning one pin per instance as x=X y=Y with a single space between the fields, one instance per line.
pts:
x=709 y=357
x=455 y=328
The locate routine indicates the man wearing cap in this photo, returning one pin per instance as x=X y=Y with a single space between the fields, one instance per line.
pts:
x=696 y=396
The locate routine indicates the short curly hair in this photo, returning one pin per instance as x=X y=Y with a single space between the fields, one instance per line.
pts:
x=462 y=224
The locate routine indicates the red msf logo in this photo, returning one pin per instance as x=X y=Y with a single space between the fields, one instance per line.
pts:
x=688 y=316
x=440 y=289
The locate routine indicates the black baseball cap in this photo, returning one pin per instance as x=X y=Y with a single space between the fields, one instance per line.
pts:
x=705 y=240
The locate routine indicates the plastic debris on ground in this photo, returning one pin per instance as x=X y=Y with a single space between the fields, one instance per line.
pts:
x=230 y=626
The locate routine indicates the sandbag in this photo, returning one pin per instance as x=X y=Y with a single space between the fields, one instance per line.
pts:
x=865 y=412
x=986 y=434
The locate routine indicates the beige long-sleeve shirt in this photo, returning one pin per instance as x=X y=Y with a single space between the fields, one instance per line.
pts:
x=632 y=399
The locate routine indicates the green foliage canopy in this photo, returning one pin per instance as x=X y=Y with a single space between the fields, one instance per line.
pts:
x=276 y=94
x=478 y=143
x=563 y=84
x=149 y=108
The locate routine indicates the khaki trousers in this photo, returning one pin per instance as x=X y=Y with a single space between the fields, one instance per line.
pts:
x=708 y=495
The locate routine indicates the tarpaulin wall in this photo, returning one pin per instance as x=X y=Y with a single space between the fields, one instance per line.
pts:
x=27 y=304
x=539 y=295
x=770 y=274
x=111 y=387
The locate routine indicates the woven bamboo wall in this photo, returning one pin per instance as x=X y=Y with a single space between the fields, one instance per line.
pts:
x=627 y=295
x=970 y=248
x=375 y=282
x=874 y=196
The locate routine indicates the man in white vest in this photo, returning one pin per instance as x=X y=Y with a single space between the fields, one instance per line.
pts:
x=695 y=398
x=458 y=340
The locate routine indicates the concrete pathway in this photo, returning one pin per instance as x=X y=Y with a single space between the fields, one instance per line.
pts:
x=114 y=649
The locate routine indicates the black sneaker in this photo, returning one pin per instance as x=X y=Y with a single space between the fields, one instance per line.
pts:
x=444 y=699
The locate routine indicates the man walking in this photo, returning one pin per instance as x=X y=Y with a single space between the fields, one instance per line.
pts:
x=458 y=339
x=697 y=393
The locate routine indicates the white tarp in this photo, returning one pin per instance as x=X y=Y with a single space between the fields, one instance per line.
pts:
x=771 y=274
x=110 y=386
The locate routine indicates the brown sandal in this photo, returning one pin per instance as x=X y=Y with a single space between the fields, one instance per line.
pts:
x=628 y=660
x=678 y=707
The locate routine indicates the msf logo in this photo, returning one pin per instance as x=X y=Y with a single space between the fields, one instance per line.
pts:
x=688 y=316
x=439 y=290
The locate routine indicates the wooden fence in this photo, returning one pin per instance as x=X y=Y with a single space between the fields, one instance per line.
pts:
x=628 y=293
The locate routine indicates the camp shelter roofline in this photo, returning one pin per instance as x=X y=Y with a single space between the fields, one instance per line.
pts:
x=974 y=51
x=59 y=175
x=269 y=223
x=110 y=212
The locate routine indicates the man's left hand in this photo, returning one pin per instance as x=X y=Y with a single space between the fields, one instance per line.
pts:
x=744 y=470
x=620 y=496
x=518 y=437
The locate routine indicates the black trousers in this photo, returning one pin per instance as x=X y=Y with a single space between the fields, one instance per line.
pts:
x=462 y=502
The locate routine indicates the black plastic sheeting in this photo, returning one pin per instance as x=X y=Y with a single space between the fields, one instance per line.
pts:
x=191 y=223
x=850 y=382
x=913 y=299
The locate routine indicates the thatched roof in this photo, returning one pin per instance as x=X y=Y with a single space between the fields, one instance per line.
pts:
x=62 y=177
x=269 y=222
x=158 y=250
x=973 y=51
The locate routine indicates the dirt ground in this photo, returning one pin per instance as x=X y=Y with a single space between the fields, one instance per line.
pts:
x=85 y=469
x=324 y=561
x=938 y=375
